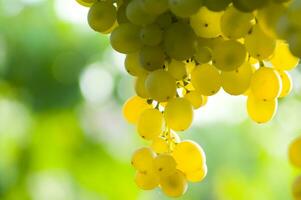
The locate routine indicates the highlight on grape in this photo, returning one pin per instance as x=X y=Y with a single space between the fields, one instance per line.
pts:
x=181 y=52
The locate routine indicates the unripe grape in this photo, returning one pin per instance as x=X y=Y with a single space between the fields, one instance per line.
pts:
x=177 y=69
x=133 y=65
x=142 y=160
x=152 y=58
x=184 y=8
x=151 y=35
x=217 y=5
x=137 y=15
x=87 y=3
x=140 y=88
x=165 y=165
x=147 y=181
x=154 y=7
x=295 y=152
x=174 y=185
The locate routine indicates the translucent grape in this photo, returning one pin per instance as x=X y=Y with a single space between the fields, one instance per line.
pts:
x=196 y=99
x=160 y=145
x=151 y=35
x=287 y=83
x=297 y=188
x=184 y=8
x=177 y=69
x=136 y=15
x=152 y=58
x=147 y=181
x=142 y=159
x=174 y=185
x=140 y=88
x=295 y=152
x=154 y=7
x=165 y=165
x=197 y=176
x=133 y=66
x=133 y=107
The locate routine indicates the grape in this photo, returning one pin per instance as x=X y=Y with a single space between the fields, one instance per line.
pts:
x=165 y=165
x=121 y=14
x=179 y=41
x=195 y=98
x=297 y=188
x=237 y=82
x=266 y=84
x=287 y=83
x=160 y=85
x=189 y=156
x=102 y=16
x=142 y=159
x=236 y=24
x=151 y=35
x=295 y=44
x=152 y=58
x=133 y=66
x=138 y=16
x=133 y=108
x=111 y=29
x=174 y=185
x=217 y=5
x=177 y=69
x=295 y=152
x=178 y=114
x=258 y=44
x=203 y=55
x=154 y=7
x=160 y=145
x=198 y=175
x=184 y=8
x=261 y=111
x=229 y=55
x=150 y=124
x=206 y=79
x=249 y=5
x=140 y=88
x=206 y=23
x=125 y=38
x=294 y=13
x=147 y=181
x=87 y=3
x=164 y=20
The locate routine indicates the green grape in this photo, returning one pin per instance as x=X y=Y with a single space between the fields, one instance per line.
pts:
x=87 y=3
x=178 y=114
x=142 y=159
x=258 y=44
x=217 y=5
x=229 y=55
x=133 y=65
x=133 y=108
x=206 y=79
x=150 y=124
x=152 y=58
x=138 y=16
x=237 y=82
x=165 y=165
x=196 y=99
x=147 y=181
x=206 y=23
x=282 y=58
x=151 y=35
x=287 y=83
x=294 y=13
x=101 y=16
x=295 y=152
x=266 y=84
x=174 y=185
x=121 y=14
x=154 y=7
x=184 y=8
x=164 y=20
x=297 y=188
x=198 y=175
x=160 y=145
x=177 y=69
x=125 y=38
x=295 y=44
x=261 y=111
x=179 y=41
x=140 y=89
x=203 y=55
x=236 y=24
x=249 y=5
x=160 y=85
x=284 y=28
x=189 y=156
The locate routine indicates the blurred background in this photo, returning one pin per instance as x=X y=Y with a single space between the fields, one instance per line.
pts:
x=62 y=135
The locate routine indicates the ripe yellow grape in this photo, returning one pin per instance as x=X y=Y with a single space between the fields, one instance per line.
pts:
x=295 y=152
x=297 y=188
x=261 y=111
x=160 y=145
x=189 y=156
x=152 y=57
x=266 y=84
x=177 y=69
x=198 y=175
x=206 y=23
x=133 y=107
x=184 y=8
x=164 y=20
x=178 y=114
x=237 y=82
x=133 y=66
x=140 y=88
x=87 y=3
x=165 y=165
x=174 y=185
x=150 y=124
x=283 y=59
x=161 y=86
x=196 y=99
x=206 y=79
x=147 y=181
x=287 y=83
x=137 y=15
x=142 y=159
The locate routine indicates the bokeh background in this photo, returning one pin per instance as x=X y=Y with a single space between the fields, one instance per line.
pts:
x=62 y=135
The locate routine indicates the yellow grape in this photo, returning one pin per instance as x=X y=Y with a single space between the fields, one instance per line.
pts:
x=297 y=188
x=147 y=181
x=178 y=114
x=196 y=99
x=237 y=82
x=137 y=15
x=165 y=165
x=133 y=107
x=203 y=54
x=287 y=83
x=206 y=23
x=295 y=152
x=140 y=89
x=87 y=3
x=161 y=86
x=198 y=175
x=177 y=69
x=189 y=156
x=150 y=124
x=266 y=84
x=110 y=30
x=133 y=66
x=174 y=185
x=206 y=79
x=283 y=59
x=151 y=35
x=261 y=111
x=142 y=159
x=160 y=145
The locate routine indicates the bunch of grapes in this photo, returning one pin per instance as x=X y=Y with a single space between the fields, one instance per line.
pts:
x=181 y=52
x=295 y=158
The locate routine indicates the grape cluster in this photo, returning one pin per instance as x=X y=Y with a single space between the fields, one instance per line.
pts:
x=181 y=52
x=295 y=158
